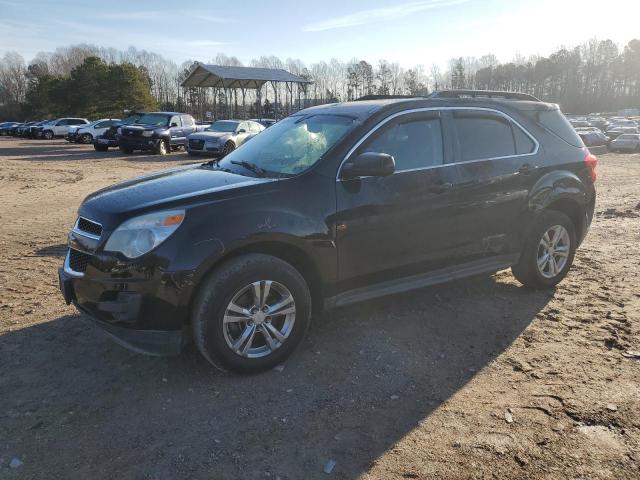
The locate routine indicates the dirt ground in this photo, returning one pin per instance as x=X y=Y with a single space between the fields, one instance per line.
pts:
x=480 y=378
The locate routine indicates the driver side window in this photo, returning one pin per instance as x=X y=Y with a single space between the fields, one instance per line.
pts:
x=175 y=120
x=412 y=141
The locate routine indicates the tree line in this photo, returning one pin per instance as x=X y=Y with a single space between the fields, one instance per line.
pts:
x=91 y=81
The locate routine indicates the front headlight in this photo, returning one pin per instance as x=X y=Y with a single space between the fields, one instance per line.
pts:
x=140 y=235
x=147 y=133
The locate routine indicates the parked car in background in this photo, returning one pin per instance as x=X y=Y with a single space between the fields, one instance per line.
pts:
x=625 y=143
x=599 y=122
x=71 y=133
x=159 y=132
x=616 y=132
x=592 y=137
x=623 y=122
x=7 y=128
x=222 y=137
x=22 y=129
x=58 y=127
x=333 y=205
x=35 y=131
x=579 y=123
x=265 y=122
x=87 y=133
x=109 y=138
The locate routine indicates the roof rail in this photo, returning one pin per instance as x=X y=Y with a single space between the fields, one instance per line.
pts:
x=383 y=97
x=483 y=94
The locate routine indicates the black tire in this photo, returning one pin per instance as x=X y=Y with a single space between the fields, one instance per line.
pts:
x=100 y=148
x=86 y=138
x=526 y=270
x=126 y=150
x=216 y=292
x=47 y=135
x=162 y=148
x=228 y=148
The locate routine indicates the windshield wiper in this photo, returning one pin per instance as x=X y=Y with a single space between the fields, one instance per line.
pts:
x=251 y=167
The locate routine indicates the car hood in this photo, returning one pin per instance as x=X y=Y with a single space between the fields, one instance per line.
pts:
x=210 y=136
x=164 y=189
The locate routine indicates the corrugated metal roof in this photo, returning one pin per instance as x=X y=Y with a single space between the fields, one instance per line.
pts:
x=237 y=77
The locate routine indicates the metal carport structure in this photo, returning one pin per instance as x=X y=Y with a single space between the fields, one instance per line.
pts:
x=244 y=78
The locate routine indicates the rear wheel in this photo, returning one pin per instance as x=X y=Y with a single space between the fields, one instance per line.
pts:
x=251 y=313
x=549 y=251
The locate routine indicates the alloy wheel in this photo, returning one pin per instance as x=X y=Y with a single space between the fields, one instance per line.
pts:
x=553 y=251
x=259 y=319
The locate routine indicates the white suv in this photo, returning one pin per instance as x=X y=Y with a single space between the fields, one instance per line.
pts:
x=88 y=133
x=60 y=126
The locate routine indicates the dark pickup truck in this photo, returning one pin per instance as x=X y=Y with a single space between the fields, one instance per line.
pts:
x=159 y=132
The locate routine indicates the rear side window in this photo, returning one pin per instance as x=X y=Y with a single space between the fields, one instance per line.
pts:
x=187 y=121
x=556 y=123
x=415 y=143
x=482 y=136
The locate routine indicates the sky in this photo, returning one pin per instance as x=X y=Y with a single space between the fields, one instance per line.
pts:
x=414 y=32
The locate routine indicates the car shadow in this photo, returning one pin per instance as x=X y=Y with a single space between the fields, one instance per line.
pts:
x=59 y=150
x=363 y=379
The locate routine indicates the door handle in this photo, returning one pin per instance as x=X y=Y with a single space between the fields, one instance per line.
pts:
x=525 y=169
x=440 y=187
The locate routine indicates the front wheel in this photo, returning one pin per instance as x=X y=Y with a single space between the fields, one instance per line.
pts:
x=87 y=138
x=549 y=251
x=161 y=147
x=251 y=313
x=47 y=135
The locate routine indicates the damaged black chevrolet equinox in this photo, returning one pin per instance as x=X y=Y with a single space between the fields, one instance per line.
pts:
x=332 y=205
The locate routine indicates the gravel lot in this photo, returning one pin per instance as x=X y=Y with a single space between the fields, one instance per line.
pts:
x=479 y=378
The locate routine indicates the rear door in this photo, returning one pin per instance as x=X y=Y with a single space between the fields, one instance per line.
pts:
x=399 y=225
x=498 y=164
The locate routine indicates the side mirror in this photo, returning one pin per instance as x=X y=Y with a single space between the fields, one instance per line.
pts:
x=174 y=124
x=242 y=130
x=369 y=164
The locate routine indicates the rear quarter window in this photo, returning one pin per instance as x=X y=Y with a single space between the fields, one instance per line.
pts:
x=555 y=122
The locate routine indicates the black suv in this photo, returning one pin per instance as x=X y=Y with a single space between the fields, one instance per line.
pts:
x=332 y=205
x=159 y=132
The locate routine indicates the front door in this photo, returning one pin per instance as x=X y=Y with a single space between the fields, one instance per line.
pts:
x=176 y=131
x=394 y=226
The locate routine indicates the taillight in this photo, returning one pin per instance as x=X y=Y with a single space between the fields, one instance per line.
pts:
x=591 y=161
